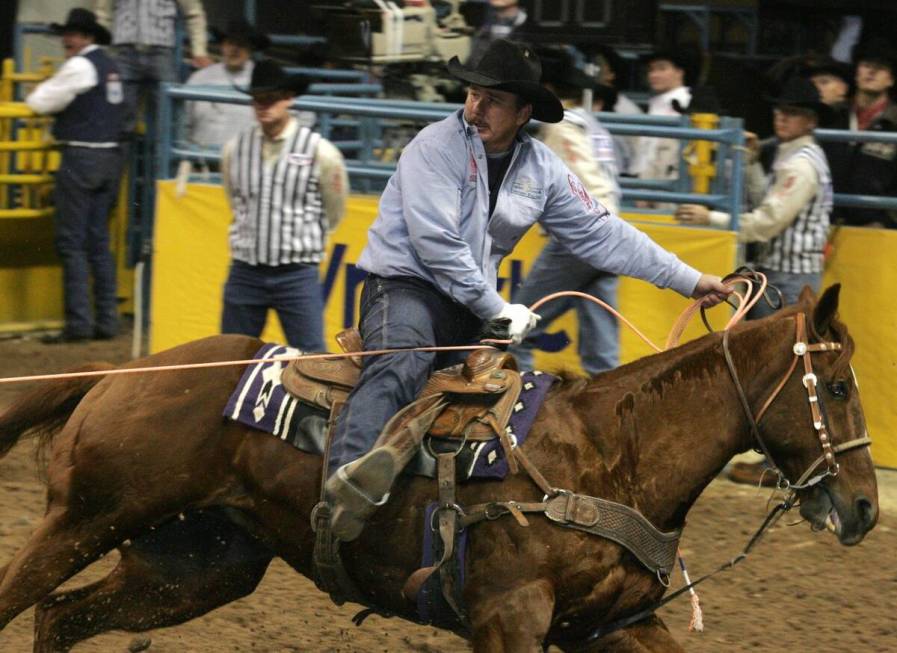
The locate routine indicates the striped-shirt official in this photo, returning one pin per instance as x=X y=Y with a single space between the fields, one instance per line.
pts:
x=152 y=22
x=277 y=204
x=792 y=201
x=798 y=249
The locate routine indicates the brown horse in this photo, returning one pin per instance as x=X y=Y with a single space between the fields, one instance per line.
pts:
x=137 y=451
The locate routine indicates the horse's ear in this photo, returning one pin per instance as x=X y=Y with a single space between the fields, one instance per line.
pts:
x=826 y=308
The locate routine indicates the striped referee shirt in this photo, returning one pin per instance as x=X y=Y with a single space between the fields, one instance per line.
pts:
x=152 y=22
x=274 y=188
x=793 y=202
x=799 y=248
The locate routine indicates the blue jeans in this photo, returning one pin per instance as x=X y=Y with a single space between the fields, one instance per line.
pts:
x=397 y=312
x=292 y=290
x=790 y=284
x=86 y=188
x=142 y=68
x=557 y=269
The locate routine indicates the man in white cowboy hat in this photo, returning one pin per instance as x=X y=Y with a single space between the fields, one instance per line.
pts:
x=86 y=97
x=466 y=190
x=287 y=188
x=212 y=124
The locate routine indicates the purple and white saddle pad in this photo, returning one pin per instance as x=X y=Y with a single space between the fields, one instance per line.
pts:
x=260 y=401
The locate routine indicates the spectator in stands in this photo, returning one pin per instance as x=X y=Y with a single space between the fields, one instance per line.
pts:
x=791 y=190
x=143 y=33
x=86 y=97
x=832 y=80
x=504 y=19
x=870 y=168
x=465 y=190
x=610 y=66
x=669 y=72
x=587 y=149
x=211 y=124
x=287 y=189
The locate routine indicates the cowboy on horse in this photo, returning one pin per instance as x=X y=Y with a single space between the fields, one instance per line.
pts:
x=465 y=191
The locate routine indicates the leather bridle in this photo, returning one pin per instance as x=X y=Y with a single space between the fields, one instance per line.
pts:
x=802 y=350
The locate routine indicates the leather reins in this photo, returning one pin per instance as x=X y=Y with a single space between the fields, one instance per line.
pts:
x=802 y=350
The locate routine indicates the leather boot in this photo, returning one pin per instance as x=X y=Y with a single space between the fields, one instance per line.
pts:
x=357 y=489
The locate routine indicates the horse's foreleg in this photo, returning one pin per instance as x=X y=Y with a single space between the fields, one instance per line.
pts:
x=179 y=571
x=649 y=636
x=515 y=621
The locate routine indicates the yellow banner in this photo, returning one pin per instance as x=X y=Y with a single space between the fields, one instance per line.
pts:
x=862 y=261
x=191 y=259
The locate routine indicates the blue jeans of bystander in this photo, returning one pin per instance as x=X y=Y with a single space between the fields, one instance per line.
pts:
x=557 y=269
x=293 y=290
x=86 y=188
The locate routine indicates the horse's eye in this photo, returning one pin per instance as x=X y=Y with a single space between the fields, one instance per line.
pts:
x=838 y=389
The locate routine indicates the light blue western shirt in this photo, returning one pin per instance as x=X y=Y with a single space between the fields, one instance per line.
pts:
x=434 y=223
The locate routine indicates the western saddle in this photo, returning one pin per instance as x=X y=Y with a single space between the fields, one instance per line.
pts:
x=482 y=391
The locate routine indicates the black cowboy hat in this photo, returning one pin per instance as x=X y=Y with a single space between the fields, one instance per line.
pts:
x=515 y=68
x=559 y=69
x=84 y=21
x=801 y=92
x=827 y=66
x=876 y=50
x=268 y=76
x=240 y=32
x=703 y=100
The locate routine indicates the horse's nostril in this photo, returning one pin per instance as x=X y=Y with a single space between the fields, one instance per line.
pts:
x=867 y=512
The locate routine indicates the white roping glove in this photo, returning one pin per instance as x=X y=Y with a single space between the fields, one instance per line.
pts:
x=521 y=321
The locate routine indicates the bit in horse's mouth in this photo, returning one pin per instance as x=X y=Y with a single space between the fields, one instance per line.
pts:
x=833 y=522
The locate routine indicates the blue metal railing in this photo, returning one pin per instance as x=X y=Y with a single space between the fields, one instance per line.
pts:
x=369 y=115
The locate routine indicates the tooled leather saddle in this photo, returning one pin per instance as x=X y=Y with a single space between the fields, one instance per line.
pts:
x=481 y=392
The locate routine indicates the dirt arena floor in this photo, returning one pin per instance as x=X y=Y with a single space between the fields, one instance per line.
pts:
x=799 y=591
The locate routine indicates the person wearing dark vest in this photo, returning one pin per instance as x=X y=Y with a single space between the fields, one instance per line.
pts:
x=791 y=189
x=86 y=97
x=287 y=188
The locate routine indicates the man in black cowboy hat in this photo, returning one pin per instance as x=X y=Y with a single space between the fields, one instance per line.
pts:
x=287 y=188
x=86 y=97
x=211 y=124
x=790 y=187
x=466 y=190
x=870 y=168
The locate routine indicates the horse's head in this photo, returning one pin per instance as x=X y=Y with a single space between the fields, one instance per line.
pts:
x=833 y=437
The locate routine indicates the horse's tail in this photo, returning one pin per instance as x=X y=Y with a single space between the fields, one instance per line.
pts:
x=43 y=411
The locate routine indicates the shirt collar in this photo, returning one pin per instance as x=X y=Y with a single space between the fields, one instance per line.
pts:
x=287 y=132
x=87 y=49
x=790 y=147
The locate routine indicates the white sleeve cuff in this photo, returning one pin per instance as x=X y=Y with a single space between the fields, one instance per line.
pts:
x=720 y=219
